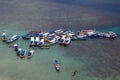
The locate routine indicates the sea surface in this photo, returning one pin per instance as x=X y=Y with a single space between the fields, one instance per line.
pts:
x=95 y=59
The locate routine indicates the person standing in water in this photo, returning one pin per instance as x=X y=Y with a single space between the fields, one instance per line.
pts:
x=75 y=73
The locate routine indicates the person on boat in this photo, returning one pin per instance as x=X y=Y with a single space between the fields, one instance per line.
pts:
x=75 y=73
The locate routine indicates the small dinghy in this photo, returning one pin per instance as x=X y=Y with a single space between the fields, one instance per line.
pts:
x=15 y=47
x=4 y=36
x=57 y=65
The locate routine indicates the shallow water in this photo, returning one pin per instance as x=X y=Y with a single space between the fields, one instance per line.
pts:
x=95 y=59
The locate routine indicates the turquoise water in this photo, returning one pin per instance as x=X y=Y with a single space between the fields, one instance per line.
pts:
x=114 y=29
x=93 y=59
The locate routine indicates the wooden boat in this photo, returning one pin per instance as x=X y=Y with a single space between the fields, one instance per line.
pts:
x=15 y=47
x=81 y=37
x=89 y=33
x=44 y=47
x=110 y=35
x=18 y=52
x=13 y=39
x=57 y=65
x=30 y=54
x=65 y=40
x=36 y=42
x=30 y=34
x=26 y=36
x=4 y=36
x=41 y=43
x=32 y=41
x=23 y=53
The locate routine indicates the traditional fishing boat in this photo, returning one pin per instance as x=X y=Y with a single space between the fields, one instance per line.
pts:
x=32 y=41
x=4 y=36
x=57 y=65
x=30 y=54
x=13 y=39
x=81 y=37
x=44 y=47
x=65 y=40
x=41 y=43
x=30 y=34
x=23 y=53
x=36 y=42
x=15 y=47
x=110 y=35
x=90 y=33
x=26 y=36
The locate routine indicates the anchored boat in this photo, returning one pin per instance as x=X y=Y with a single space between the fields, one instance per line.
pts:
x=13 y=39
x=4 y=36
x=23 y=53
x=30 y=54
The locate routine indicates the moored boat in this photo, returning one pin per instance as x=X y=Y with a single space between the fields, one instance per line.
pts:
x=42 y=41
x=65 y=40
x=32 y=41
x=110 y=35
x=15 y=47
x=4 y=36
x=13 y=39
x=23 y=53
x=57 y=65
x=36 y=42
x=30 y=54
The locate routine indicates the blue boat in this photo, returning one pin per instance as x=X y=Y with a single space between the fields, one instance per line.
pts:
x=26 y=36
x=15 y=47
x=13 y=39
x=23 y=53
x=30 y=54
x=81 y=37
x=57 y=65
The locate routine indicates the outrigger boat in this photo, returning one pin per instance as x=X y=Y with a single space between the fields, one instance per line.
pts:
x=13 y=38
x=57 y=65
x=30 y=54
x=4 y=36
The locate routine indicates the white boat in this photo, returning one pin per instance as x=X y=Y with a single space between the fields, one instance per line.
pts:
x=110 y=35
x=65 y=40
x=41 y=43
x=15 y=47
x=32 y=41
x=30 y=54
x=37 y=40
x=4 y=36
x=13 y=38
